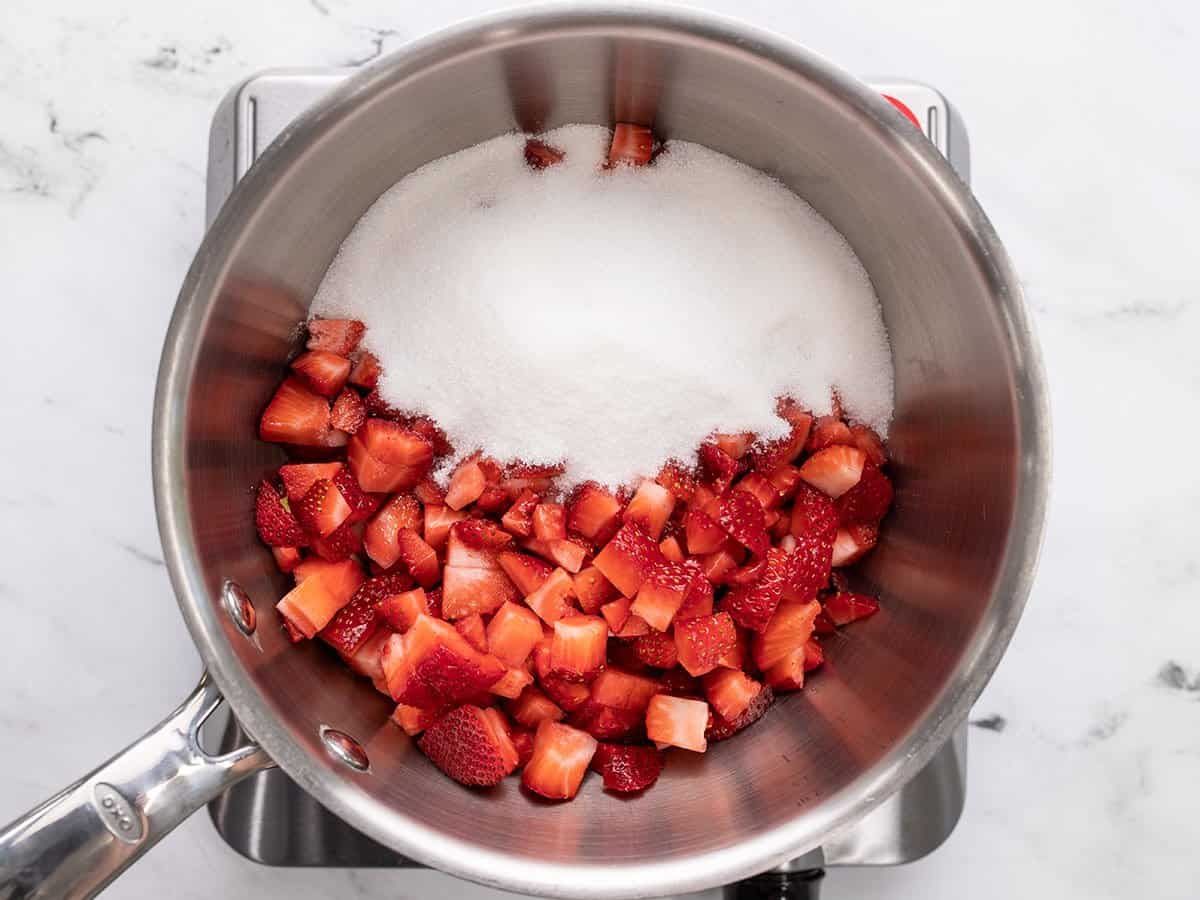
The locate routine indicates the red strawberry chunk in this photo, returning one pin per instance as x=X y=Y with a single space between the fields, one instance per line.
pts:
x=339 y=336
x=772 y=455
x=627 y=768
x=592 y=589
x=286 y=558
x=533 y=707
x=385 y=457
x=381 y=536
x=276 y=525
x=438 y=667
x=662 y=593
x=324 y=372
x=365 y=373
x=869 y=443
x=702 y=533
x=735 y=445
x=428 y=492
x=493 y=500
x=577 y=651
x=605 y=723
x=717 y=468
x=671 y=550
x=623 y=690
x=760 y=488
x=828 y=431
x=400 y=610
x=344 y=542
x=722 y=728
x=470 y=747
x=785 y=480
x=752 y=606
x=528 y=573
x=362 y=504
x=308 y=606
x=297 y=478
x=834 y=470
x=467 y=590
x=342 y=578
x=419 y=558
x=657 y=649
x=593 y=513
x=616 y=613
x=519 y=518
x=631 y=145
x=568 y=553
x=678 y=683
x=868 y=501
x=551 y=600
x=298 y=415
x=512 y=634
x=701 y=642
x=650 y=508
x=698 y=601
x=677 y=721
x=788 y=674
x=823 y=625
x=466 y=485
x=511 y=684
x=814 y=514
x=635 y=626
x=844 y=608
x=475 y=543
x=348 y=413
x=413 y=719
x=788 y=631
x=438 y=522
x=540 y=155
x=808 y=570
x=742 y=518
x=351 y=626
x=730 y=692
x=626 y=560
x=718 y=565
x=560 y=759
x=852 y=543
x=814 y=656
x=549 y=522
x=472 y=628
x=322 y=509
x=678 y=480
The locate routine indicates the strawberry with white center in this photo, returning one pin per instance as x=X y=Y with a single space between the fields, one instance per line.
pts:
x=340 y=336
x=626 y=560
x=384 y=456
x=561 y=755
x=298 y=415
x=577 y=650
x=730 y=692
x=677 y=722
x=834 y=470
x=593 y=513
x=324 y=372
x=650 y=508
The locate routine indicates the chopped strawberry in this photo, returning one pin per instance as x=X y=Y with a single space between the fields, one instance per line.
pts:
x=814 y=656
x=400 y=610
x=662 y=593
x=828 y=431
x=550 y=601
x=814 y=514
x=594 y=513
x=869 y=443
x=852 y=543
x=322 y=509
x=701 y=642
x=340 y=336
x=342 y=578
x=650 y=508
x=341 y=544
x=475 y=543
x=678 y=722
x=741 y=516
x=428 y=492
x=276 y=525
x=520 y=477
x=730 y=692
x=362 y=505
x=438 y=522
x=722 y=728
x=760 y=488
x=386 y=457
x=299 y=477
x=308 y=606
x=413 y=719
x=809 y=567
x=519 y=518
x=560 y=760
x=522 y=740
x=298 y=415
x=626 y=559
x=351 y=626
x=540 y=155
x=367 y=659
x=844 y=608
x=380 y=538
x=528 y=573
x=472 y=628
x=467 y=590
x=788 y=631
x=868 y=501
x=286 y=558
x=702 y=533
x=470 y=746
x=438 y=667
x=823 y=625
x=493 y=500
x=549 y=522
x=466 y=484
x=671 y=550
x=657 y=649
x=678 y=480
x=592 y=589
x=782 y=527
x=770 y=456
x=419 y=558
x=616 y=613
x=677 y=683
x=834 y=470
x=619 y=689
x=512 y=634
x=717 y=468
x=784 y=480
x=348 y=413
x=533 y=707
x=736 y=656
x=698 y=601
x=631 y=145
x=511 y=684
x=365 y=373
x=752 y=606
x=735 y=445
x=635 y=626
x=752 y=571
x=568 y=553
x=788 y=673
x=716 y=566
x=626 y=768
x=324 y=372
x=577 y=651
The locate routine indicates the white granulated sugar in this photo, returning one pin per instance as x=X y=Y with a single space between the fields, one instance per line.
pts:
x=608 y=319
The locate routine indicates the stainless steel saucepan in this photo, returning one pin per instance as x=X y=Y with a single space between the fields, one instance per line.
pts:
x=969 y=440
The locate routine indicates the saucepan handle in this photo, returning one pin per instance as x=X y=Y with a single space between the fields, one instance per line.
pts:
x=73 y=845
x=779 y=884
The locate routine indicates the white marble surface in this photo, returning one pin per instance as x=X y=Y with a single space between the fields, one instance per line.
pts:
x=1084 y=133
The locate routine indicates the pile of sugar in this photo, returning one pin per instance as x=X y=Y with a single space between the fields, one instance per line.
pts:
x=611 y=320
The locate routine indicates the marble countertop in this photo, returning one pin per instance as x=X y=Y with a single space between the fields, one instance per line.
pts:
x=1082 y=779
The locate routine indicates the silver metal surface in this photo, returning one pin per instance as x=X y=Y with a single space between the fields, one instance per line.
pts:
x=240 y=607
x=345 y=748
x=269 y=819
x=78 y=841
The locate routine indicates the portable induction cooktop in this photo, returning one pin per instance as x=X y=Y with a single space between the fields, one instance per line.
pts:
x=268 y=819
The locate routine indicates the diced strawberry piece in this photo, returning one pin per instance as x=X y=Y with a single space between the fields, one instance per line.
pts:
x=522 y=739
x=788 y=673
x=657 y=649
x=868 y=501
x=349 y=412
x=472 y=628
x=381 y=536
x=760 y=488
x=341 y=578
x=814 y=656
x=752 y=571
x=308 y=606
x=528 y=573
x=344 y=542
x=550 y=601
x=351 y=626
x=823 y=625
x=540 y=155
x=519 y=518
x=592 y=589
x=788 y=631
x=568 y=553
x=492 y=500
x=419 y=558
x=616 y=613
x=322 y=509
x=677 y=683
x=782 y=527
x=413 y=719
x=702 y=533
x=730 y=692
x=834 y=470
x=741 y=516
x=772 y=455
x=438 y=522
x=662 y=593
x=578 y=649
x=722 y=728
x=533 y=707
x=736 y=656
x=717 y=468
x=752 y=606
x=560 y=760
x=626 y=560
x=367 y=659
x=298 y=415
x=469 y=746
x=400 y=610
x=428 y=492
x=678 y=722
x=375 y=455
x=475 y=543
x=844 y=608
x=650 y=508
x=594 y=513
x=623 y=690
x=784 y=480
x=362 y=505
x=625 y=768
x=467 y=590
x=466 y=484
x=631 y=145
x=538 y=479
x=276 y=525
x=808 y=570
x=704 y=498
x=606 y=723
x=828 y=431
x=366 y=371
x=671 y=550
x=635 y=626
x=678 y=480
x=324 y=372
x=549 y=522
x=701 y=642
x=511 y=684
x=299 y=477
x=716 y=566
x=340 y=336
x=869 y=443
x=286 y=558
x=852 y=543
x=735 y=445
x=698 y=601
x=439 y=667
x=814 y=514
x=513 y=633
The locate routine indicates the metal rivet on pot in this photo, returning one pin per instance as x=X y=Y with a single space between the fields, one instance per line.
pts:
x=238 y=605
x=345 y=748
